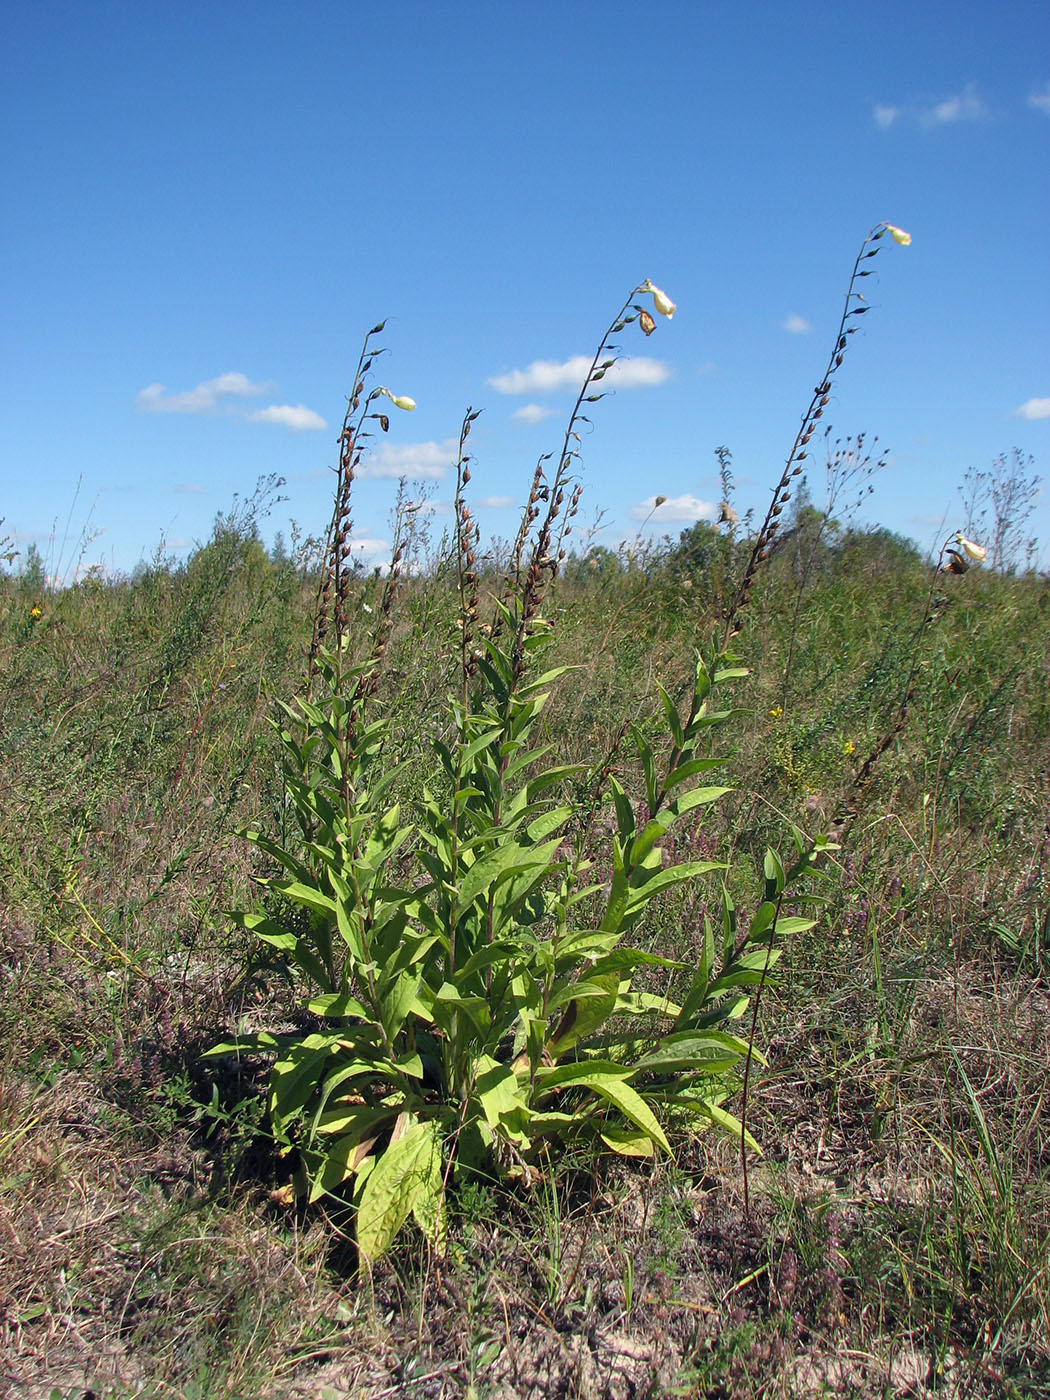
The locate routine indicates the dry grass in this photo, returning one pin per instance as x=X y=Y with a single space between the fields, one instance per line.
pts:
x=898 y=1243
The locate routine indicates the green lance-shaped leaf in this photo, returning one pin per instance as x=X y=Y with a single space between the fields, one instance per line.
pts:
x=551 y=777
x=762 y=921
x=696 y=997
x=348 y=922
x=773 y=871
x=588 y=1003
x=624 y=810
x=356 y=1122
x=584 y=944
x=296 y=1075
x=630 y=1103
x=646 y=754
x=710 y=1052
x=386 y=836
x=397 y=1000
x=469 y=753
x=690 y=769
x=645 y=1004
x=627 y=1142
x=702 y=1108
x=791 y=924
x=662 y=822
x=497 y=1090
x=515 y=885
x=608 y=1081
x=294 y=866
x=305 y=895
x=448 y=1000
x=335 y=1005
x=428 y=1208
x=298 y=948
x=505 y=860
x=529 y=691
x=639 y=896
x=729 y=925
x=673 y=718
x=337 y=1163
x=408 y=1173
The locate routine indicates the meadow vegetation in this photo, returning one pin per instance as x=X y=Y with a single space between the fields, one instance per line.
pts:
x=534 y=970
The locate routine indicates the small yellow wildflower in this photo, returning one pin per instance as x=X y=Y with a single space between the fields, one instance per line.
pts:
x=847 y=747
x=36 y=612
x=898 y=234
x=776 y=712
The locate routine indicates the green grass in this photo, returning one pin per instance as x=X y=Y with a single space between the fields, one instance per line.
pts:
x=144 y=1245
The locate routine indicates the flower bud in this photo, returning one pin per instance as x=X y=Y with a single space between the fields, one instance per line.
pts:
x=401 y=401
x=898 y=235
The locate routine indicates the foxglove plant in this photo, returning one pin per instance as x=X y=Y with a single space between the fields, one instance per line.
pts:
x=470 y=986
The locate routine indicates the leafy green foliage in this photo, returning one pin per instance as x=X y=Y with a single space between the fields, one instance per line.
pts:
x=472 y=990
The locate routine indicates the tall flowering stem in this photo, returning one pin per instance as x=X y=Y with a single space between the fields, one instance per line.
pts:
x=821 y=397
x=330 y=608
x=468 y=537
x=530 y=581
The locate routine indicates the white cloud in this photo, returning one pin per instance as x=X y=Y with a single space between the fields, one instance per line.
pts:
x=884 y=115
x=547 y=376
x=675 y=508
x=532 y=412
x=1041 y=100
x=189 y=489
x=205 y=398
x=543 y=377
x=1034 y=408
x=368 y=546
x=496 y=502
x=640 y=372
x=295 y=416
x=221 y=395
x=797 y=325
x=965 y=106
x=416 y=460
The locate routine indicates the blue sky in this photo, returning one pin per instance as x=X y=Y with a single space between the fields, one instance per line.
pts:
x=206 y=206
